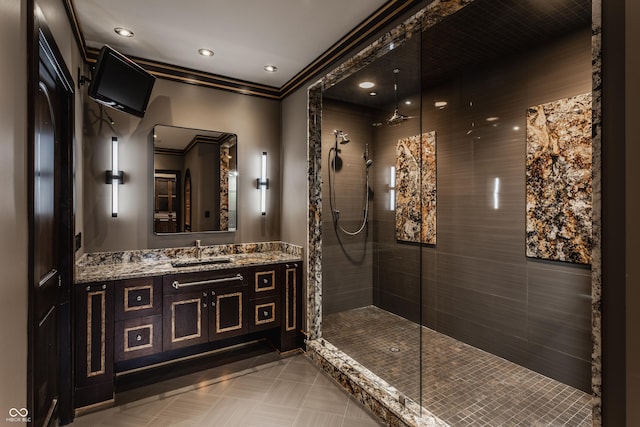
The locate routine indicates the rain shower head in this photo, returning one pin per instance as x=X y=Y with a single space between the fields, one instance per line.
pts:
x=341 y=137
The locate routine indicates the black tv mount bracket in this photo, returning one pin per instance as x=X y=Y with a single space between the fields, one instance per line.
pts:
x=82 y=79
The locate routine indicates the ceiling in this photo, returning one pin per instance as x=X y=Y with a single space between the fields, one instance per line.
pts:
x=244 y=35
x=477 y=36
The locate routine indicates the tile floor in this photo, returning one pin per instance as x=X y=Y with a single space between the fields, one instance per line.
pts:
x=262 y=390
x=462 y=385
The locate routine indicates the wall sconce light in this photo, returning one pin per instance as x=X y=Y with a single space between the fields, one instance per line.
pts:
x=262 y=184
x=114 y=176
x=392 y=188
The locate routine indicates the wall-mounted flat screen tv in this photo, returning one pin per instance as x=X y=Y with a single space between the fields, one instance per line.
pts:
x=120 y=83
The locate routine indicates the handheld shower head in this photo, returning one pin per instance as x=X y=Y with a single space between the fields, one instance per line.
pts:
x=367 y=161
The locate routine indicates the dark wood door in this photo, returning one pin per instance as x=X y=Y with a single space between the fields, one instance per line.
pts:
x=51 y=232
x=46 y=269
x=185 y=319
x=229 y=310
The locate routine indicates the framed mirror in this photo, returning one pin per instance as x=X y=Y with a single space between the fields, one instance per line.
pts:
x=194 y=175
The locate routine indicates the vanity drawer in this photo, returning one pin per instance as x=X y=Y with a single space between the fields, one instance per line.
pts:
x=138 y=298
x=264 y=282
x=265 y=313
x=138 y=337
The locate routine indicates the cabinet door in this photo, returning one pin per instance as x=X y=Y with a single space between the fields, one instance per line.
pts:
x=185 y=319
x=94 y=343
x=292 y=303
x=228 y=316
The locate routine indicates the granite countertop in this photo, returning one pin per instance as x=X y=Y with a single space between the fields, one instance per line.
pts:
x=103 y=266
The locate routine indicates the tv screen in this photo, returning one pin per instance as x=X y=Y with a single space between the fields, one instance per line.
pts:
x=120 y=83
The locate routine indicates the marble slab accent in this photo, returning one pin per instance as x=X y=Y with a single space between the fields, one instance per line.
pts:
x=416 y=189
x=596 y=253
x=369 y=389
x=103 y=266
x=224 y=188
x=559 y=190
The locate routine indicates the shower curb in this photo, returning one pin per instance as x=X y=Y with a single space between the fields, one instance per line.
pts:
x=370 y=390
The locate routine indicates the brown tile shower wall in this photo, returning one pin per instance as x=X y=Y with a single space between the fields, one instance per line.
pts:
x=477 y=284
x=346 y=261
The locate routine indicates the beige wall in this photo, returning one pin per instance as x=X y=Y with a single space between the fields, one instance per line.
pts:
x=632 y=156
x=256 y=121
x=13 y=209
x=294 y=169
x=13 y=170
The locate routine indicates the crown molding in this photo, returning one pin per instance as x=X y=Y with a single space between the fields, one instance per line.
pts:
x=376 y=21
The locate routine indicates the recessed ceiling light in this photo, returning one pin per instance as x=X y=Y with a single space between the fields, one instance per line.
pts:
x=407 y=102
x=124 y=32
x=493 y=119
x=366 y=85
x=440 y=104
x=270 y=68
x=373 y=93
x=205 y=52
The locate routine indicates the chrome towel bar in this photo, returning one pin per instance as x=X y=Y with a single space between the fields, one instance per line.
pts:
x=237 y=277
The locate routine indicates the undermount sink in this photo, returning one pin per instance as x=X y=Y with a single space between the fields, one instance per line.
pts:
x=195 y=261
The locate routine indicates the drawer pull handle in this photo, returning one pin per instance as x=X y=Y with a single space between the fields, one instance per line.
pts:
x=178 y=285
x=138 y=337
x=139 y=298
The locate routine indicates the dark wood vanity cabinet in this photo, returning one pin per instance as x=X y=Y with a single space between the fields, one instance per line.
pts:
x=139 y=322
x=204 y=307
x=94 y=343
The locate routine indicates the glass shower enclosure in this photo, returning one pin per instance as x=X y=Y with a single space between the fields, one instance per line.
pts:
x=450 y=210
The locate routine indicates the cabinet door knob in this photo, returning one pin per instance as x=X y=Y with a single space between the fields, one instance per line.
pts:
x=139 y=298
x=104 y=286
x=138 y=337
x=204 y=305
x=213 y=293
x=265 y=313
x=204 y=294
x=265 y=281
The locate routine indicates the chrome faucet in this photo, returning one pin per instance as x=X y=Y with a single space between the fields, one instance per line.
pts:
x=198 y=249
